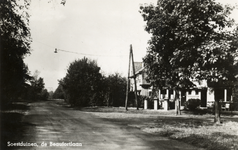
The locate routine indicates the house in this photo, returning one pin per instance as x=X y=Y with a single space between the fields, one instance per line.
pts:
x=165 y=97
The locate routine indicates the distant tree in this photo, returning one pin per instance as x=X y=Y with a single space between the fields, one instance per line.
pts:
x=14 y=45
x=81 y=83
x=191 y=41
x=36 y=90
x=59 y=93
x=51 y=93
x=44 y=94
x=116 y=90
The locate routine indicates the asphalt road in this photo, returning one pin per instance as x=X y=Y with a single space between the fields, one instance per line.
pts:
x=65 y=128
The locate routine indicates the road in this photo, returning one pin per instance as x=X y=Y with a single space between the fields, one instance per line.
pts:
x=50 y=123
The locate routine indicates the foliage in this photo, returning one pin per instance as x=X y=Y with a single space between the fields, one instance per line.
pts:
x=59 y=93
x=44 y=95
x=115 y=90
x=14 y=44
x=36 y=90
x=51 y=93
x=192 y=104
x=81 y=82
x=191 y=41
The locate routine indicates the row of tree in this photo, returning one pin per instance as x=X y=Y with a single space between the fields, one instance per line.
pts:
x=84 y=85
x=15 y=38
x=15 y=42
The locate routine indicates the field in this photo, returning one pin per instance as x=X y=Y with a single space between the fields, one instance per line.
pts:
x=197 y=130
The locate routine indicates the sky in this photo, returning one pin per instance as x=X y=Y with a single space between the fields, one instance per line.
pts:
x=101 y=30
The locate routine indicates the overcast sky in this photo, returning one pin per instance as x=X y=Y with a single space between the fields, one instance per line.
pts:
x=101 y=30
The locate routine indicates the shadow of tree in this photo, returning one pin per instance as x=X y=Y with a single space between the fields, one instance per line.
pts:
x=12 y=127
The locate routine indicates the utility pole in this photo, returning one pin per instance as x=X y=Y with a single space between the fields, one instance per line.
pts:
x=128 y=79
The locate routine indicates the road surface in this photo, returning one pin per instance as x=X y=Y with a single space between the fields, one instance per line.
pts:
x=53 y=126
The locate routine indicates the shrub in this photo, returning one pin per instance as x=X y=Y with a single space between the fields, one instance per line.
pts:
x=192 y=104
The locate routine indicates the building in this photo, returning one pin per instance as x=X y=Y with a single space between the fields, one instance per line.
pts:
x=165 y=97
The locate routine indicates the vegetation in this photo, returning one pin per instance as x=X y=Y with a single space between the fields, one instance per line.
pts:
x=36 y=89
x=15 y=45
x=81 y=83
x=59 y=93
x=191 y=41
x=115 y=90
x=84 y=85
x=199 y=133
x=192 y=104
x=197 y=130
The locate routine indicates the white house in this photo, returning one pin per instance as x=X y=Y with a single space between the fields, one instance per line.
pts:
x=202 y=91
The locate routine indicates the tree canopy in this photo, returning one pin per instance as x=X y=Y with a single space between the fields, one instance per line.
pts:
x=115 y=90
x=15 y=42
x=191 y=41
x=81 y=83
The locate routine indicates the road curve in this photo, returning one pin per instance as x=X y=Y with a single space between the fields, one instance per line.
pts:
x=53 y=126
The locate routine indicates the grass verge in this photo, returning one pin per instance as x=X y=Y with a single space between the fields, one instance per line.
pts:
x=200 y=134
x=195 y=129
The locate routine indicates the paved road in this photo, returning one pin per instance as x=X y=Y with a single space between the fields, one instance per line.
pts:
x=50 y=122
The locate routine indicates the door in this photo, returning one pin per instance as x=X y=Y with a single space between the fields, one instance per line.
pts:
x=204 y=98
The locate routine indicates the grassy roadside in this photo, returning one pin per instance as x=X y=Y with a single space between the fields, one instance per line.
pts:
x=12 y=127
x=197 y=130
x=199 y=133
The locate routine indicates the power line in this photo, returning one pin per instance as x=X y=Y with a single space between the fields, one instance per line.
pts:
x=56 y=51
x=85 y=54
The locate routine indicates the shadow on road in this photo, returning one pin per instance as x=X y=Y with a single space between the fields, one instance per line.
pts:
x=12 y=127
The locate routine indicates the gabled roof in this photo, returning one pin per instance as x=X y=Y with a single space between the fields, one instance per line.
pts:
x=138 y=66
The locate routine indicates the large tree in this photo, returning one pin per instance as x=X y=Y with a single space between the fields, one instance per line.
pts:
x=191 y=41
x=81 y=83
x=14 y=45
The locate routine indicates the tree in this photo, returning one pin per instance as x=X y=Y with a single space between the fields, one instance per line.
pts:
x=116 y=90
x=36 y=90
x=59 y=93
x=81 y=82
x=191 y=41
x=14 y=45
x=51 y=93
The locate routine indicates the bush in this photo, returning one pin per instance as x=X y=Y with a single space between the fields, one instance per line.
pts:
x=192 y=104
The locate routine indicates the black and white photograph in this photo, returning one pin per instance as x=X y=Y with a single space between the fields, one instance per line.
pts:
x=119 y=74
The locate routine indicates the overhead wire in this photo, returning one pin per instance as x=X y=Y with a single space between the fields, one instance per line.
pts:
x=85 y=54
x=56 y=50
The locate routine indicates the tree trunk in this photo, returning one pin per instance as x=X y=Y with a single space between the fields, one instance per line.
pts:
x=107 y=97
x=177 y=103
x=217 y=118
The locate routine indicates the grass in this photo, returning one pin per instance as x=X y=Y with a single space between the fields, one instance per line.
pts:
x=196 y=129
x=199 y=133
x=12 y=127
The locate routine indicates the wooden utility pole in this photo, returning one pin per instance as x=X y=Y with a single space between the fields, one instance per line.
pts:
x=128 y=79
x=128 y=82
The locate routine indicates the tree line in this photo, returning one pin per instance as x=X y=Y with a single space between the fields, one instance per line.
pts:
x=85 y=85
x=15 y=38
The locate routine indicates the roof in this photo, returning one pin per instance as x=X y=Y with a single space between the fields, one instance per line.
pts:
x=138 y=66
